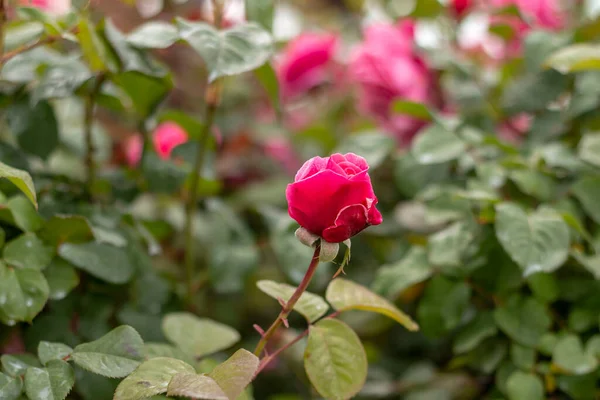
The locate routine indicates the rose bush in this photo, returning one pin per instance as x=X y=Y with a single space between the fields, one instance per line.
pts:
x=463 y=134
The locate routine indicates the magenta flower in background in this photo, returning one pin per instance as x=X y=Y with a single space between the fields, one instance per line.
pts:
x=333 y=198
x=386 y=67
x=54 y=7
x=461 y=7
x=305 y=63
x=165 y=138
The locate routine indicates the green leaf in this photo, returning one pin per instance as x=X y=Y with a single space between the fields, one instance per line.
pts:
x=34 y=126
x=534 y=184
x=153 y=35
x=544 y=286
x=267 y=77
x=345 y=295
x=103 y=261
x=114 y=355
x=151 y=378
x=417 y=110
x=373 y=146
x=195 y=386
x=261 y=12
x=10 y=388
x=475 y=332
x=132 y=59
x=94 y=49
x=574 y=58
x=436 y=144
x=538 y=242
x=541 y=44
x=17 y=364
x=235 y=373
x=28 y=251
x=51 y=383
x=335 y=360
x=582 y=319
x=24 y=292
x=524 y=385
x=198 y=336
x=21 y=213
x=533 y=92
x=448 y=246
x=523 y=357
x=310 y=305
x=488 y=355
x=587 y=191
x=426 y=8
x=591 y=263
x=155 y=350
x=22 y=33
x=48 y=351
x=571 y=357
x=411 y=176
x=66 y=228
x=228 y=52
x=146 y=92
x=589 y=148
x=442 y=306
x=20 y=179
x=163 y=176
x=61 y=278
x=582 y=387
x=524 y=320
x=393 y=279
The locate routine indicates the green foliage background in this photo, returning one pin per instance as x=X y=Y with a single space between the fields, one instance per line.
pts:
x=493 y=248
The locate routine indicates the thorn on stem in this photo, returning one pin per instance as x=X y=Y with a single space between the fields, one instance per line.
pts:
x=282 y=302
x=258 y=329
x=285 y=322
x=339 y=271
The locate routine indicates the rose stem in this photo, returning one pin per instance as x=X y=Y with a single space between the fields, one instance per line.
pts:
x=211 y=96
x=265 y=361
x=289 y=305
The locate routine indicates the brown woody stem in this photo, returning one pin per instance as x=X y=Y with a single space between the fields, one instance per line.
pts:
x=289 y=305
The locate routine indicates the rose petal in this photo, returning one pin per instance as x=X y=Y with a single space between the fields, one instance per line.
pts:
x=311 y=167
x=374 y=215
x=350 y=221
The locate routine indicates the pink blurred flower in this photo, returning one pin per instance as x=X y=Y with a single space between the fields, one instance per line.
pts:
x=541 y=13
x=133 y=150
x=515 y=129
x=54 y=7
x=386 y=68
x=165 y=138
x=305 y=63
x=281 y=151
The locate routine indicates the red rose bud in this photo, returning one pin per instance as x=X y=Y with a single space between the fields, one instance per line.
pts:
x=333 y=198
